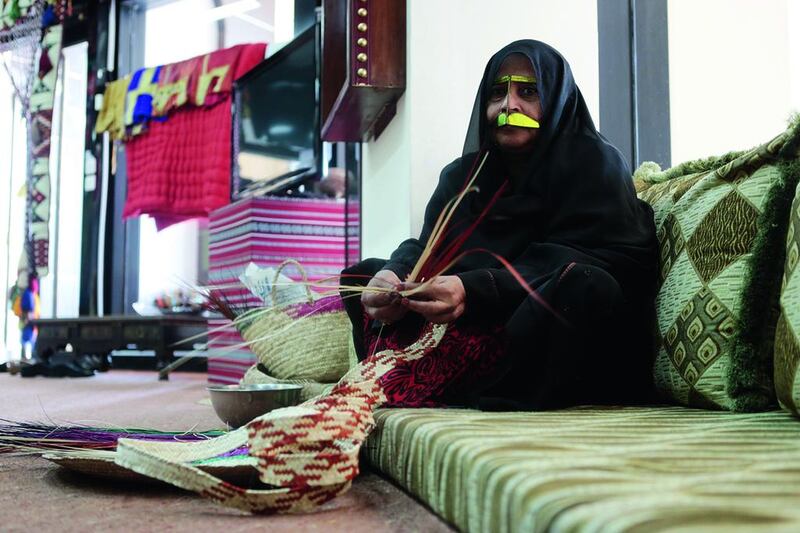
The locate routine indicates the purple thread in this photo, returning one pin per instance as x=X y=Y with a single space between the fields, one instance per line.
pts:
x=328 y=304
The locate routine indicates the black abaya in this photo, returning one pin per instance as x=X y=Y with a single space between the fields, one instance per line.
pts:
x=573 y=227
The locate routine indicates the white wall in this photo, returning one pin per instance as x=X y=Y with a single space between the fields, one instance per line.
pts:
x=169 y=259
x=167 y=41
x=386 y=186
x=734 y=73
x=793 y=30
x=448 y=45
x=13 y=157
x=70 y=218
x=60 y=289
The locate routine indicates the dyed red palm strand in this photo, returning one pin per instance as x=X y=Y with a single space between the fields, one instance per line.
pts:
x=439 y=264
x=429 y=268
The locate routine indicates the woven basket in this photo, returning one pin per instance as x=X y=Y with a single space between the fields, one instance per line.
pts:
x=254 y=376
x=307 y=341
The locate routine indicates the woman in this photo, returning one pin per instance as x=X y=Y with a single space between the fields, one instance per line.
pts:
x=558 y=203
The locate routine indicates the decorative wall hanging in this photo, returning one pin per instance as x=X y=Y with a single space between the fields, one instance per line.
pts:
x=30 y=37
x=30 y=43
x=176 y=124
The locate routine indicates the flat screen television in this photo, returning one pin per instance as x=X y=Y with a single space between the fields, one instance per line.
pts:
x=276 y=143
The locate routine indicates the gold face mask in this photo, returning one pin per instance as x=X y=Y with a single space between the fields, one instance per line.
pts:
x=519 y=120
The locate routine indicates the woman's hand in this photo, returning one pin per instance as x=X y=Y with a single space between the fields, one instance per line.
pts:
x=384 y=306
x=442 y=301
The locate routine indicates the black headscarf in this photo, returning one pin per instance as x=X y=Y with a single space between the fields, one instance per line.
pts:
x=575 y=202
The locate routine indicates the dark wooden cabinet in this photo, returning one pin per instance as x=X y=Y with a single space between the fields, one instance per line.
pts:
x=95 y=335
x=363 y=66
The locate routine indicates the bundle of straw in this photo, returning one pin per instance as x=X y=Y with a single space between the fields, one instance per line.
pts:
x=19 y=438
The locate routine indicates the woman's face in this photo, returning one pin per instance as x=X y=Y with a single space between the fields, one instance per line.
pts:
x=521 y=98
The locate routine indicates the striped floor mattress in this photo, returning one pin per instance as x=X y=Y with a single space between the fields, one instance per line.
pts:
x=596 y=469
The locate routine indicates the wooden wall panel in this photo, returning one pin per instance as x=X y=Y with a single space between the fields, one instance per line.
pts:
x=363 y=66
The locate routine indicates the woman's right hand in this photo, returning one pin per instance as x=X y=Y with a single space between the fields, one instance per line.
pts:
x=383 y=306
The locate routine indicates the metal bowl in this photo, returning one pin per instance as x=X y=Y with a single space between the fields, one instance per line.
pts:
x=236 y=405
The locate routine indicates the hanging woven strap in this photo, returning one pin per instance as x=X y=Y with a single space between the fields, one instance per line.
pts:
x=308 y=452
x=277 y=276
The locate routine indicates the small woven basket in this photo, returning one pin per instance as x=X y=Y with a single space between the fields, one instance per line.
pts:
x=306 y=341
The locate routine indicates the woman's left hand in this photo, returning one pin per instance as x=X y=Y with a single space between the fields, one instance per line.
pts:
x=441 y=301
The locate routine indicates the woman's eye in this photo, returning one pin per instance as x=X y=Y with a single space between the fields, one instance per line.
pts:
x=497 y=92
x=528 y=91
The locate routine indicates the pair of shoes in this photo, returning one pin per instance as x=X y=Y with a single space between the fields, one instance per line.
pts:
x=14 y=367
x=87 y=362
x=99 y=363
x=68 y=370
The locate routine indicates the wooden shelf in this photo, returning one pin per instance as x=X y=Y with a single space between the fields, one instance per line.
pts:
x=101 y=335
x=363 y=66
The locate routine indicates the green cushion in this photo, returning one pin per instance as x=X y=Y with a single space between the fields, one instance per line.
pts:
x=721 y=227
x=787 y=337
x=596 y=469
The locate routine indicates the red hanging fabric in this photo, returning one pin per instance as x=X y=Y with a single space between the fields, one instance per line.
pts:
x=179 y=168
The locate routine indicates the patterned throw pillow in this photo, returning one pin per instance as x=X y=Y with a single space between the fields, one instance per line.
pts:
x=787 y=336
x=721 y=226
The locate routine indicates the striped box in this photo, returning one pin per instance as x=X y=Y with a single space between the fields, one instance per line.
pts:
x=227 y=363
x=322 y=234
